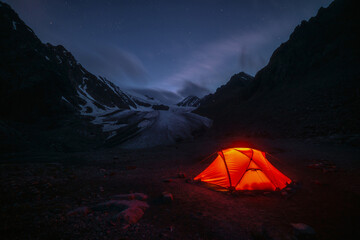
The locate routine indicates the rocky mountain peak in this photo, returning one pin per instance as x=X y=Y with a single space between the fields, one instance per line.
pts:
x=190 y=101
x=310 y=87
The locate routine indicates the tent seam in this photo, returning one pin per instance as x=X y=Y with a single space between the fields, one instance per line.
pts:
x=267 y=177
x=252 y=155
x=227 y=170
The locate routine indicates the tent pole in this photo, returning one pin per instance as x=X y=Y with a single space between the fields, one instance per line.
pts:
x=227 y=170
x=207 y=157
x=252 y=154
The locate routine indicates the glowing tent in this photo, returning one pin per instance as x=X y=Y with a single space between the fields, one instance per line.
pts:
x=243 y=169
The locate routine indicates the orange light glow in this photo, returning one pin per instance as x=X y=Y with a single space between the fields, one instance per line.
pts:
x=243 y=169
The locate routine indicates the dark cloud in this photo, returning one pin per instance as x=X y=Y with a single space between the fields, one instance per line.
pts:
x=120 y=66
x=190 y=88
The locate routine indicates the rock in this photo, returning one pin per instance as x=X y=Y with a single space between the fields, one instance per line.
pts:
x=329 y=169
x=160 y=107
x=167 y=197
x=79 y=211
x=131 y=215
x=303 y=231
x=261 y=234
x=111 y=206
x=181 y=175
x=190 y=101
x=135 y=204
x=317 y=182
x=130 y=167
x=189 y=180
x=315 y=165
x=131 y=196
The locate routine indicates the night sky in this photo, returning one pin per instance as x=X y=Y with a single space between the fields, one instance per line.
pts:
x=168 y=48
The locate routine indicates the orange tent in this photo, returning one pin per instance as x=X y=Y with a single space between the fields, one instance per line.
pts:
x=243 y=169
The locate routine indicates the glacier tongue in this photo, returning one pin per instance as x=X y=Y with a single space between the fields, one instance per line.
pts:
x=167 y=127
x=143 y=125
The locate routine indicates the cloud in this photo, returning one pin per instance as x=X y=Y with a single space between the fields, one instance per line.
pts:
x=251 y=62
x=164 y=96
x=118 y=65
x=214 y=63
x=204 y=65
x=190 y=88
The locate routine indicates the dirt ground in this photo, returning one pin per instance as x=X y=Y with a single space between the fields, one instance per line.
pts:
x=38 y=193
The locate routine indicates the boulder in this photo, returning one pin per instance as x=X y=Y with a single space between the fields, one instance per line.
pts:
x=167 y=197
x=181 y=175
x=79 y=211
x=303 y=231
x=131 y=215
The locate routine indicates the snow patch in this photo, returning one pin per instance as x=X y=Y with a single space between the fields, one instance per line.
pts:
x=47 y=58
x=83 y=89
x=14 y=25
x=29 y=29
x=89 y=104
x=64 y=99
x=144 y=123
x=190 y=101
x=116 y=90
x=111 y=126
x=112 y=134
x=59 y=59
x=142 y=98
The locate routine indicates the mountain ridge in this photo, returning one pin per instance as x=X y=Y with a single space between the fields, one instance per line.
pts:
x=189 y=101
x=234 y=91
x=309 y=88
x=45 y=95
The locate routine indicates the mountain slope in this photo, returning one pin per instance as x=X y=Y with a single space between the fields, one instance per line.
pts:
x=45 y=95
x=311 y=85
x=41 y=80
x=149 y=128
x=232 y=93
x=48 y=99
x=190 y=101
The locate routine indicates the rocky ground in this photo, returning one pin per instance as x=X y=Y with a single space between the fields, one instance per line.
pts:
x=83 y=195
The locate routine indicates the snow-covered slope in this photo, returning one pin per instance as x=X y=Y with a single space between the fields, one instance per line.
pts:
x=190 y=101
x=155 y=127
x=141 y=125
